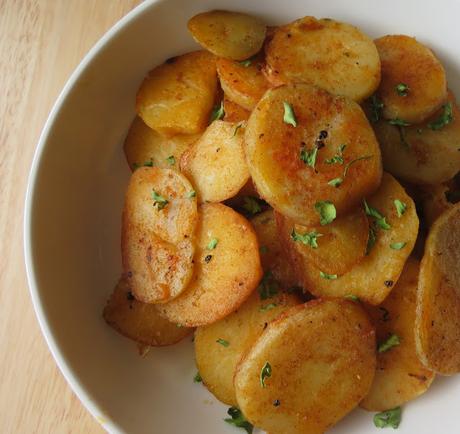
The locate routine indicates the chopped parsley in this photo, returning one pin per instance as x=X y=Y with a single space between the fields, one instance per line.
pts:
x=218 y=112
x=400 y=207
x=237 y=419
x=251 y=205
x=246 y=62
x=327 y=212
x=392 y=341
x=376 y=108
x=388 y=418
x=237 y=127
x=398 y=122
x=337 y=158
x=171 y=160
x=309 y=157
x=402 y=89
x=445 y=118
x=336 y=182
x=268 y=286
x=402 y=136
x=268 y=307
x=266 y=372
x=398 y=246
x=328 y=276
x=197 y=378
x=380 y=220
x=371 y=240
x=309 y=239
x=145 y=164
x=352 y=297
x=159 y=201
x=191 y=194
x=223 y=342
x=289 y=115
x=212 y=244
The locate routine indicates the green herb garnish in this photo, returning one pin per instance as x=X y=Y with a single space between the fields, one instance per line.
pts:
x=266 y=372
x=268 y=286
x=218 y=112
x=400 y=207
x=237 y=127
x=389 y=418
x=268 y=307
x=371 y=240
x=398 y=122
x=223 y=342
x=159 y=201
x=197 y=378
x=352 y=297
x=171 y=160
x=380 y=220
x=376 y=108
x=191 y=194
x=398 y=246
x=392 y=341
x=402 y=89
x=444 y=119
x=246 y=62
x=212 y=244
x=251 y=205
x=337 y=158
x=237 y=419
x=336 y=182
x=328 y=276
x=326 y=210
x=309 y=239
x=309 y=157
x=289 y=115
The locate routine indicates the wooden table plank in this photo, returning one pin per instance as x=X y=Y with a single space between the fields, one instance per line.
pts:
x=41 y=42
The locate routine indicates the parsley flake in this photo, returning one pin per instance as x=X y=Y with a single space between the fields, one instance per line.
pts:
x=191 y=194
x=336 y=182
x=347 y=166
x=376 y=108
x=392 y=341
x=289 y=115
x=328 y=276
x=389 y=418
x=237 y=419
x=223 y=342
x=218 y=112
x=337 y=158
x=402 y=89
x=400 y=207
x=171 y=160
x=237 y=127
x=309 y=239
x=352 y=297
x=327 y=212
x=445 y=118
x=212 y=244
x=398 y=122
x=268 y=307
x=251 y=205
x=268 y=286
x=371 y=240
x=380 y=220
x=197 y=378
x=309 y=157
x=159 y=201
x=266 y=372
x=398 y=246
x=246 y=62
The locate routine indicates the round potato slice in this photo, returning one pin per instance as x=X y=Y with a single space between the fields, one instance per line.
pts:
x=216 y=163
x=437 y=325
x=400 y=376
x=227 y=269
x=220 y=346
x=335 y=56
x=139 y=321
x=234 y=112
x=413 y=84
x=228 y=34
x=308 y=369
x=375 y=275
x=145 y=147
x=438 y=199
x=331 y=133
x=427 y=153
x=177 y=96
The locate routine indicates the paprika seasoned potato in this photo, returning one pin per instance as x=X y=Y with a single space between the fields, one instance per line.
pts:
x=400 y=376
x=335 y=56
x=388 y=249
x=158 y=231
x=234 y=112
x=215 y=163
x=437 y=325
x=413 y=84
x=331 y=154
x=308 y=369
x=177 y=96
x=220 y=346
x=139 y=321
x=227 y=269
x=228 y=34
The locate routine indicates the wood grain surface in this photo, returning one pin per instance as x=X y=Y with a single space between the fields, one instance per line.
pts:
x=41 y=42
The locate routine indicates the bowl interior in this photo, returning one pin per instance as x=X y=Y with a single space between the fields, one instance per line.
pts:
x=74 y=207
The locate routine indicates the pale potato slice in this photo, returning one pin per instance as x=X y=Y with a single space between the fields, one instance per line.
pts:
x=145 y=147
x=236 y=333
x=437 y=325
x=335 y=56
x=159 y=220
x=234 y=112
x=322 y=362
x=420 y=154
x=139 y=321
x=274 y=149
x=407 y=62
x=177 y=96
x=243 y=82
x=400 y=376
x=438 y=199
x=215 y=163
x=228 y=34
x=373 y=278
x=224 y=275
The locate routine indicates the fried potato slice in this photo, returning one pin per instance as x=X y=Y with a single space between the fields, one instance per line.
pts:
x=158 y=231
x=437 y=324
x=243 y=82
x=438 y=199
x=236 y=333
x=419 y=153
x=177 y=96
x=274 y=149
x=373 y=278
x=335 y=56
x=139 y=321
x=144 y=146
x=322 y=361
x=228 y=34
x=215 y=163
x=407 y=62
x=400 y=376
x=234 y=112
x=224 y=275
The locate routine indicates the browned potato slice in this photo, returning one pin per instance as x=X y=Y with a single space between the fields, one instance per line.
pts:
x=228 y=34
x=243 y=82
x=407 y=62
x=439 y=198
x=159 y=220
x=234 y=112
x=335 y=56
x=321 y=358
x=220 y=346
x=144 y=146
x=225 y=275
x=177 y=96
x=274 y=149
x=437 y=325
x=400 y=376
x=420 y=154
x=373 y=278
x=139 y=321
x=216 y=163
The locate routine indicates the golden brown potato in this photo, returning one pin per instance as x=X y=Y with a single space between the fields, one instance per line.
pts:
x=159 y=220
x=145 y=147
x=215 y=163
x=228 y=34
x=400 y=376
x=413 y=84
x=224 y=275
x=437 y=324
x=220 y=346
x=438 y=199
x=177 y=96
x=373 y=278
x=308 y=369
x=335 y=56
x=234 y=112
x=334 y=130
x=139 y=321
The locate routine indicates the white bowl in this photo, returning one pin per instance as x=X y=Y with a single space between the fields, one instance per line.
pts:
x=74 y=202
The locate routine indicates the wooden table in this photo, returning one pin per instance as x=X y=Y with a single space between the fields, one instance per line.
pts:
x=41 y=42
